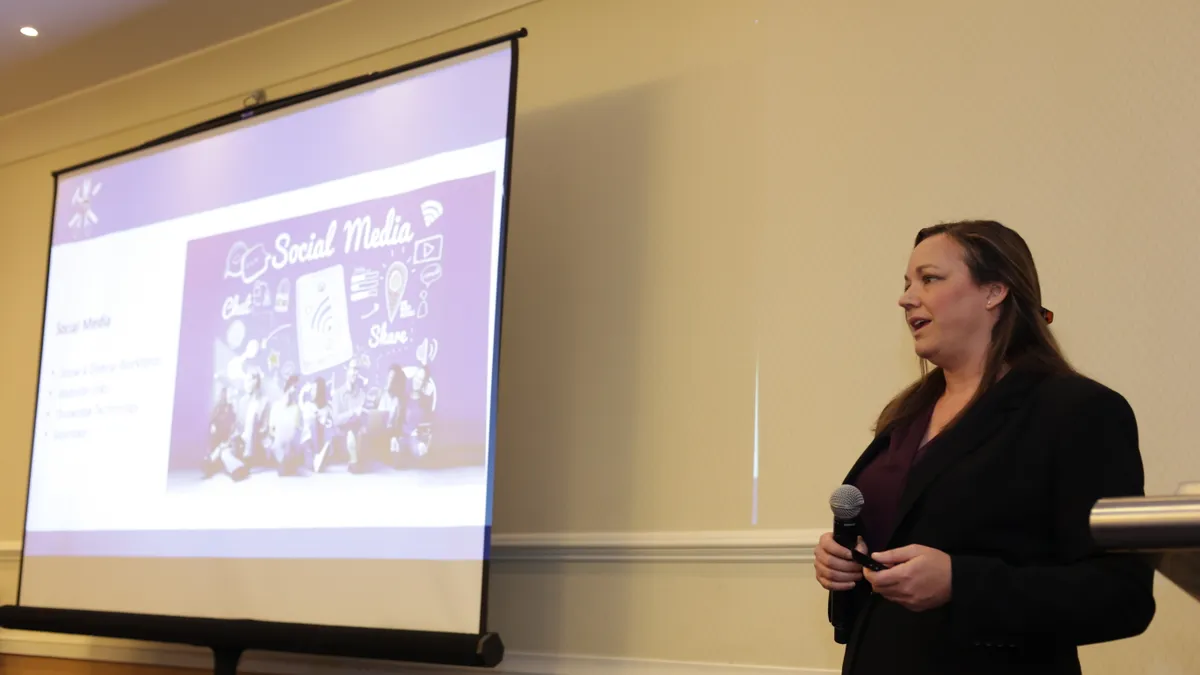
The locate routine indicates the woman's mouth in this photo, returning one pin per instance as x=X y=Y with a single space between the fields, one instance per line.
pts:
x=917 y=323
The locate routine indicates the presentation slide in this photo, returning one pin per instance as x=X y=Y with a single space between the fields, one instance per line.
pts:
x=269 y=362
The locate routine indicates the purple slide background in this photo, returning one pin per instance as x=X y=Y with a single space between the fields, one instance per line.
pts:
x=454 y=321
x=457 y=107
x=441 y=110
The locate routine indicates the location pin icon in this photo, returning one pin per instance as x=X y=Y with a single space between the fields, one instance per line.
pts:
x=394 y=284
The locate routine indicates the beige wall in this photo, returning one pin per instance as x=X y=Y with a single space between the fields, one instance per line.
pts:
x=700 y=185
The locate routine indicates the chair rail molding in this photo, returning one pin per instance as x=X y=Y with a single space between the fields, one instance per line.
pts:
x=695 y=546
x=10 y=550
x=755 y=545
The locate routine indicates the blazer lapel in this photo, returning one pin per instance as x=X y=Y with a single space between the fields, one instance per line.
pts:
x=877 y=445
x=977 y=425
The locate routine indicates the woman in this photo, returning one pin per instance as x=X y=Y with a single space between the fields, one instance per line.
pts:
x=979 y=483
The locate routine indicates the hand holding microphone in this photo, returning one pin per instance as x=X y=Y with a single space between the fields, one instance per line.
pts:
x=834 y=564
x=915 y=577
x=836 y=568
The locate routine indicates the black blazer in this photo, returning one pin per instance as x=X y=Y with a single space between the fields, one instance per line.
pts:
x=1006 y=492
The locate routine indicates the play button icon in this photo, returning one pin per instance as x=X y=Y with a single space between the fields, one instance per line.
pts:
x=427 y=250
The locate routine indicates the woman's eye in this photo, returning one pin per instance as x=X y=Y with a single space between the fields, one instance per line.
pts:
x=928 y=278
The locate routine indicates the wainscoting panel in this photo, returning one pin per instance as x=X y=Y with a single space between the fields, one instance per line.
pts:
x=519 y=561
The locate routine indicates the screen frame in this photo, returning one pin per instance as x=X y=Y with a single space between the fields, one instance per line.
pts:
x=304 y=641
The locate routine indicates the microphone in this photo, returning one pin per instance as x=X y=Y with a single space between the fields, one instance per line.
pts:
x=846 y=502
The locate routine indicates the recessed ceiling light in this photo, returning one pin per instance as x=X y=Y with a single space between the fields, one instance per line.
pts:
x=29 y=31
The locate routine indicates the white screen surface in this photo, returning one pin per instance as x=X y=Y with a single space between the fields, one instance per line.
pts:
x=268 y=366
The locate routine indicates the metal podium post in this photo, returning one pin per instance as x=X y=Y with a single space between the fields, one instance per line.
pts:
x=1167 y=527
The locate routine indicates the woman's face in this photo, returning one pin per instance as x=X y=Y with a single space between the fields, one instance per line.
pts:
x=949 y=315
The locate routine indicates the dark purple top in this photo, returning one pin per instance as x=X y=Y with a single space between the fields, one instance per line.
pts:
x=882 y=481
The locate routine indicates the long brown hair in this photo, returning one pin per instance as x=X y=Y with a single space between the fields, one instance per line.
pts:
x=1021 y=337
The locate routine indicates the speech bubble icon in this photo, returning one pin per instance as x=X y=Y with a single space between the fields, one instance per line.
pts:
x=233 y=260
x=254 y=263
x=395 y=281
x=431 y=273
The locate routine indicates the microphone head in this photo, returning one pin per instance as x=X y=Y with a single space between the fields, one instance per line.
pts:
x=846 y=502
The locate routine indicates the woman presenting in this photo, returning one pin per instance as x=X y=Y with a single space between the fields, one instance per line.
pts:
x=979 y=483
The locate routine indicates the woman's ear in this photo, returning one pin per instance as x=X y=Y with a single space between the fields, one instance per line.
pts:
x=996 y=293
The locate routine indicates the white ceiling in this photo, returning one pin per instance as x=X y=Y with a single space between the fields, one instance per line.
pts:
x=85 y=42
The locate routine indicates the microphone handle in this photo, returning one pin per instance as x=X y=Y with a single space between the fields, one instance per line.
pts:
x=845 y=533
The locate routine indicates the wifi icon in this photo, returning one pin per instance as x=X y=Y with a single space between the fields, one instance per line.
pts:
x=322 y=317
x=431 y=210
x=322 y=327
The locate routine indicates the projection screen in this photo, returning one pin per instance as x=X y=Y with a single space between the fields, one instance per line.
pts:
x=268 y=370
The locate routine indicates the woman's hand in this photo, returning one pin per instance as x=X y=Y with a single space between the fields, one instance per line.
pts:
x=918 y=577
x=836 y=569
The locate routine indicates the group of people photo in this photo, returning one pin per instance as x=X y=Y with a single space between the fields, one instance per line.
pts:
x=299 y=428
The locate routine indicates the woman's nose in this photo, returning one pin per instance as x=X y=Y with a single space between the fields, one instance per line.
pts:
x=907 y=301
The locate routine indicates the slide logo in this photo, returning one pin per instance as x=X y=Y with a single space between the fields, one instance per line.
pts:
x=322 y=320
x=84 y=217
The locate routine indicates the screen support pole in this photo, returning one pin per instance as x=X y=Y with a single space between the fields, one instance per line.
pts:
x=225 y=660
